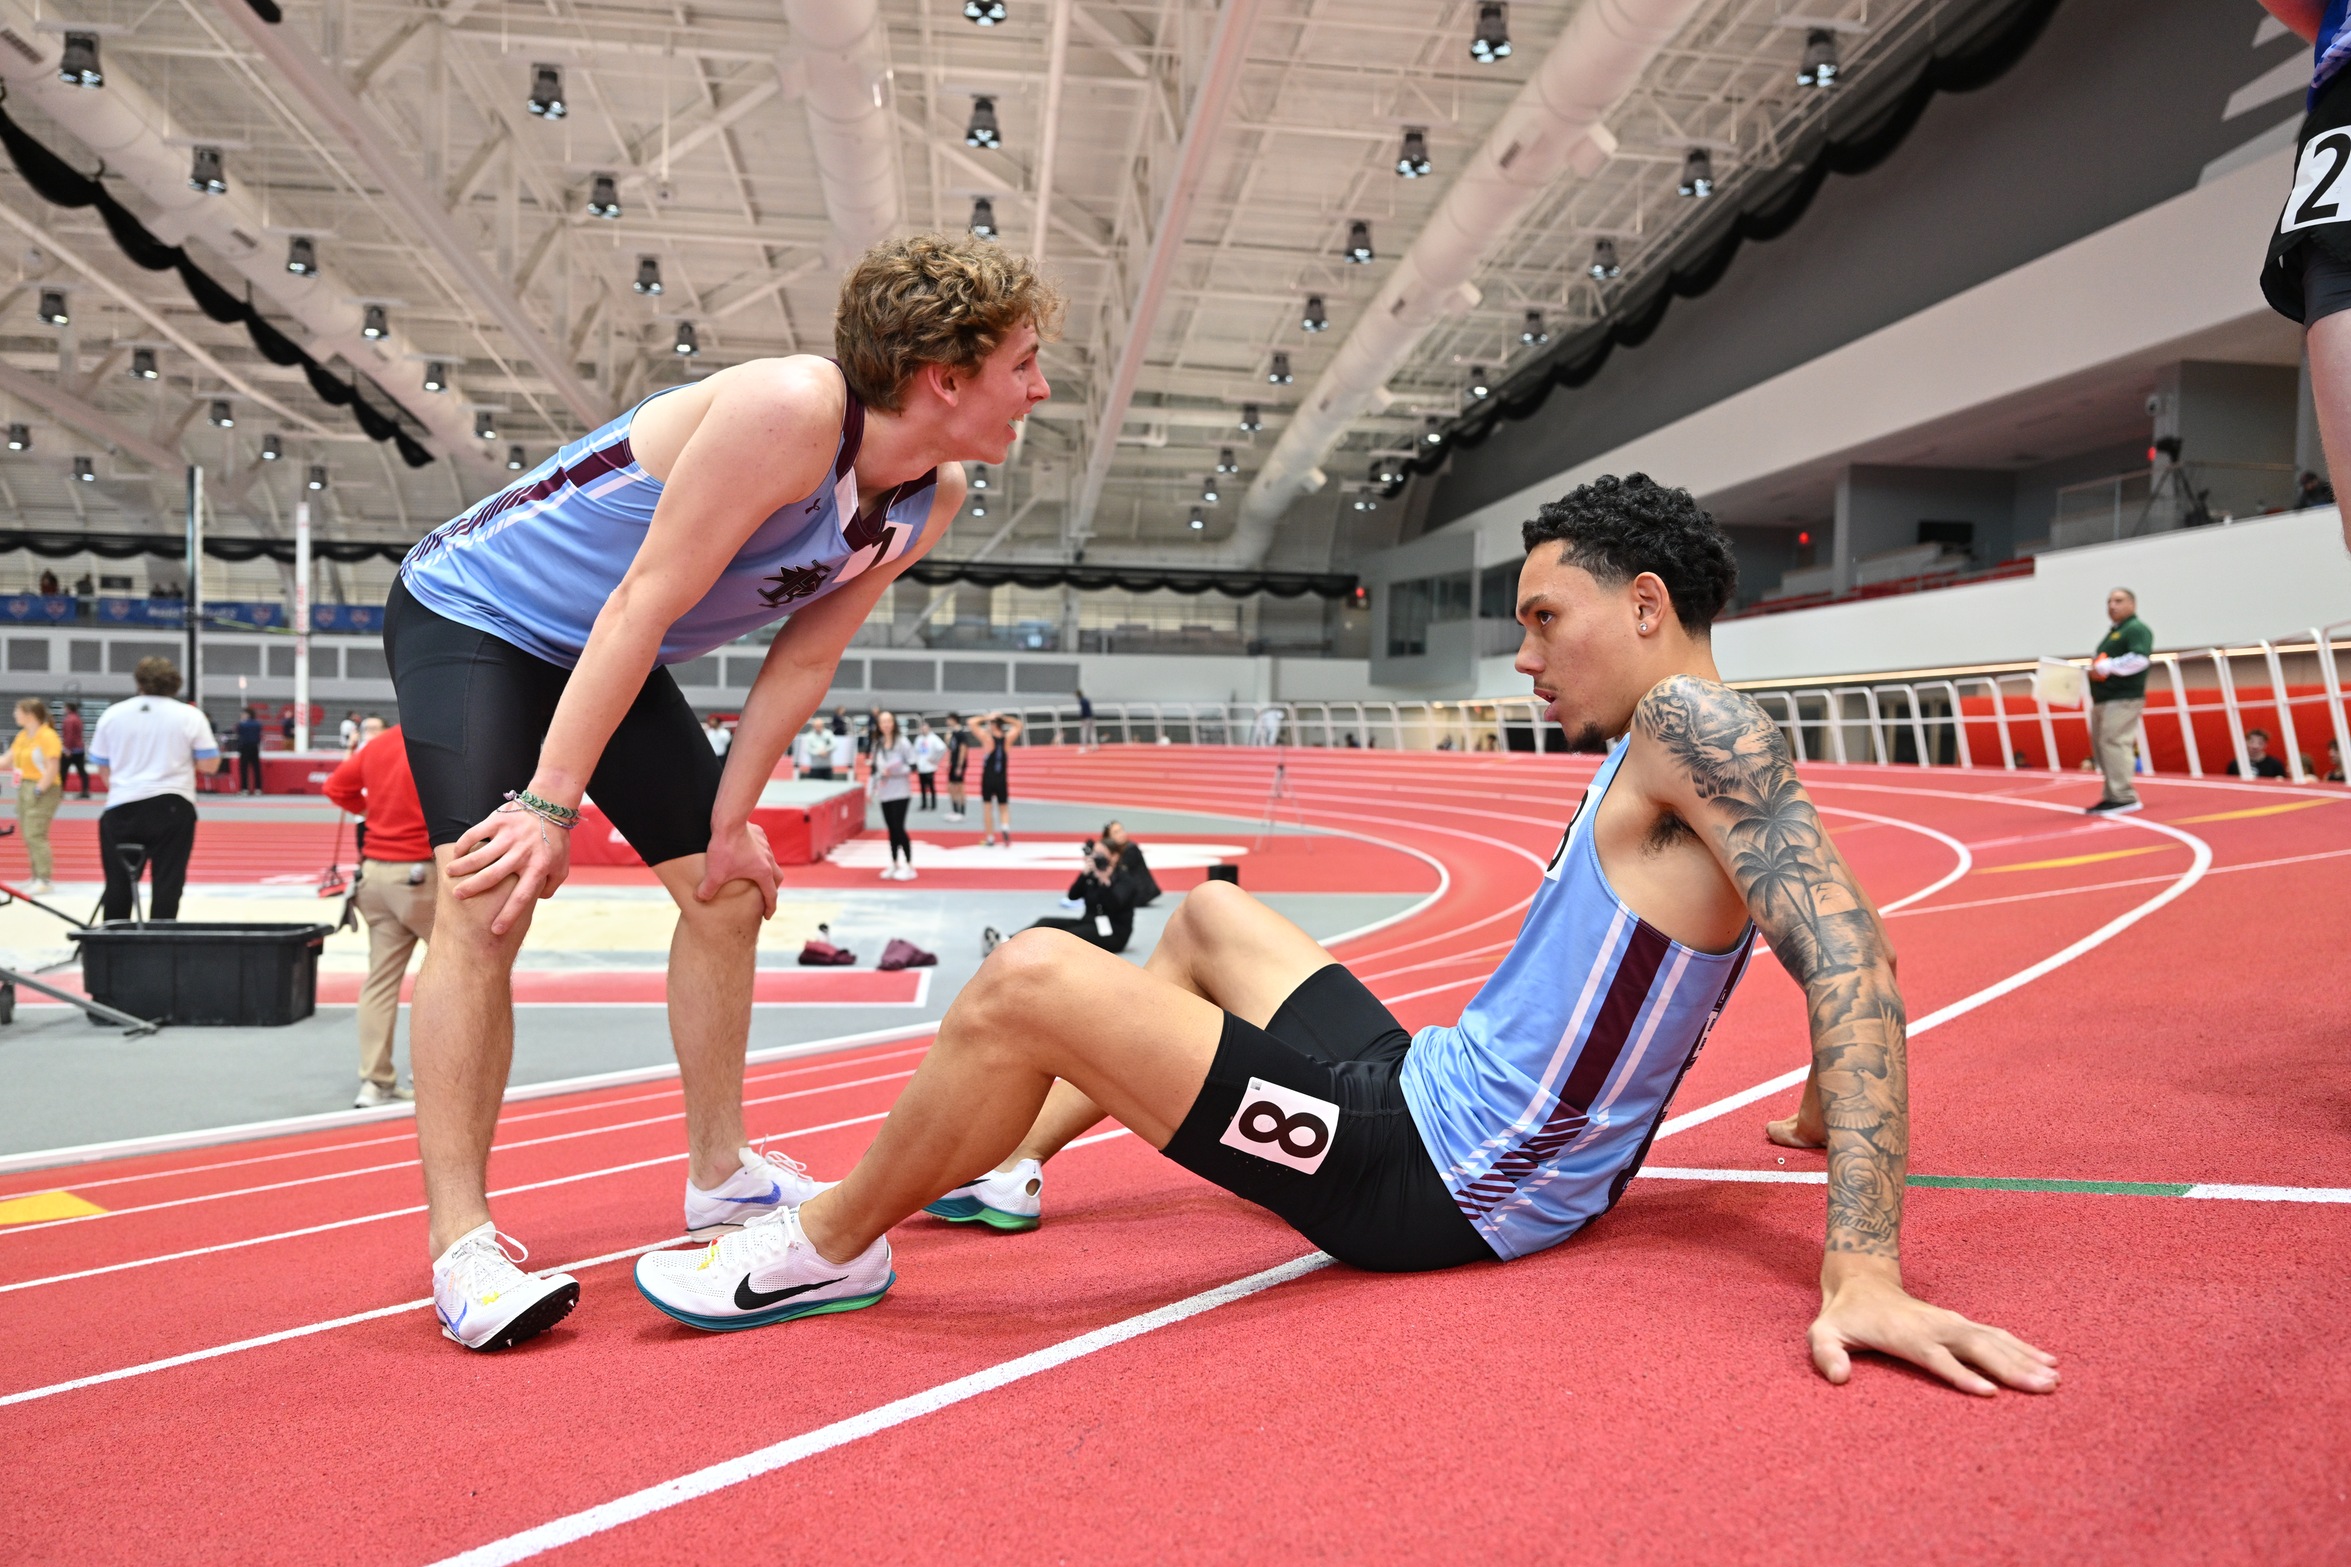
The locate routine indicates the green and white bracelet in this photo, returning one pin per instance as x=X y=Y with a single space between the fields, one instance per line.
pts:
x=546 y=810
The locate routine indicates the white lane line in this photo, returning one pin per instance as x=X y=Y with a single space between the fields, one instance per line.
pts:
x=1994 y=991
x=734 y=1471
x=2218 y=1192
x=395 y=1213
x=410 y=1164
x=2210 y=1191
x=264 y=1340
x=2134 y=881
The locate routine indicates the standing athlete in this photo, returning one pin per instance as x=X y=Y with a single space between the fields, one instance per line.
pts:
x=1245 y=1053
x=530 y=641
x=959 y=739
x=996 y=778
x=2307 y=273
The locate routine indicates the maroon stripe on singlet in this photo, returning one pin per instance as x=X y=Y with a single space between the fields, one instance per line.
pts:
x=590 y=465
x=1604 y=1042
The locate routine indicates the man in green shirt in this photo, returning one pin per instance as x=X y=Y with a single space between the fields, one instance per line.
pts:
x=2118 y=695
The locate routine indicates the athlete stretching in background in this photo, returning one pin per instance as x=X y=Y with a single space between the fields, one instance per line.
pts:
x=1245 y=1053
x=529 y=641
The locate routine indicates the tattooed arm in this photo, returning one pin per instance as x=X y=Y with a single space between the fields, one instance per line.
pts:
x=1711 y=757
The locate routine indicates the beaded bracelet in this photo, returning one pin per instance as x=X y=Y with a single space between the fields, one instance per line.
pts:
x=546 y=810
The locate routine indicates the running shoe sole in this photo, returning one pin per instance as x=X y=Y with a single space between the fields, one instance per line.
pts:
x=530 y=1322
x=761 y=1319
x=970 y=1210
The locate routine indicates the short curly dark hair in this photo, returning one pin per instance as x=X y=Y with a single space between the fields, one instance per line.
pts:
x=1618 y=528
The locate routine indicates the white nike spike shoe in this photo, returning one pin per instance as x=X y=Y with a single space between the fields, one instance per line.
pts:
x=764 y=1272
x=765 y=1183
x=486 y=1302
x=1001 y=1199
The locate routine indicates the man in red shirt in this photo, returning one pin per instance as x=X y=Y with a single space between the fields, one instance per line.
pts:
x=397 y=885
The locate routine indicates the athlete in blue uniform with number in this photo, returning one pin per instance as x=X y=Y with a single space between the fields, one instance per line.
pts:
x=2307 y=273
x=1244 y=1052
x=530 y=641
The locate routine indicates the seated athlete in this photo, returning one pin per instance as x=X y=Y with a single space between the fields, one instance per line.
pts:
x=1245 y=1053
x=530 y=641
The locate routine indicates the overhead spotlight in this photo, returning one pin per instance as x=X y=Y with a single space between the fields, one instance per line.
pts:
x=979 y=506
x=1413 y=161
x=1358 y=249
x=1225 y=462
x=1532 y=331
x=979 y=477
x=1432 y=431
x=20 y=437
x=53 y=308
x=1698 y=174
x=1479 y=386
x=686 y=344
x=1278 y=373
x=372 y=324
x=1387 y=476
x=78 y=66
x=1820 y=59
x=222 y=416
x=604 y=198
x=983 y=13
x=983 y=217
x=1316 y=319
x=982 y=131
x=436 y=377
x=485 y=424
x=514 y=459
x=204 y=172
x=1251 y=420
x=648 y=275
x=85 y=470
x=302 y=256
x=1491 y=41
x=273 y=446
x=1604 y=264
x=1198 y=522
x=143 y=364
x=1208 y=491
x=1365 y=500
x=546 y=98
x=318 y=476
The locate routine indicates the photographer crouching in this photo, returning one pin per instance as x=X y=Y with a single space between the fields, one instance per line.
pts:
x=1108 y=892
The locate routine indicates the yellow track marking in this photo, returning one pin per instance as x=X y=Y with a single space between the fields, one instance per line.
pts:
x=2075 y=859
x=45 y=1205
x=2258 y=810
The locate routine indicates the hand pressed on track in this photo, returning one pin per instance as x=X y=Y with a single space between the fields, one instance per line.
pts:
x=511 y=843
x=740 y=853
x=1868 y=1309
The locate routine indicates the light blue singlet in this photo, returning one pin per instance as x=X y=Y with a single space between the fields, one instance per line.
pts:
x=1539 y=1104
x=534 y=563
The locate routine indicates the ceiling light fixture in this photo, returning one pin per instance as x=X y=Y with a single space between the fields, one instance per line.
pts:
x=648 y=275
x=20 y=437
x=1432 y=431
x=1532 y=331
x=1365 y=500
x=1604 y=264
x=436 y=377
x=1491 y=41
x=983 y=217
x=485 y=424
x=984 y=13
x=979 y=476
x=143 y=364
x=85 y=470
x=546 y=100
x=1413 y=161
x=1698 y=174
x=1820 y=59
x=302 y=256
x=604 y=198
x=1208 y=492
x=1479 y=388
x=687 y=344
x=979 y=506
x=1225 y=462
x=318 y=476
x=272 y=447
x=372 y=324
x=53 y=308
x=78 y=66
x=1251 y=419
x=1199 y=523
x=1358 y=250
x=222 y=416
x=982 y=131
x=1278 y=374
x=514 y=459
x=1316 y=319
x=204 y=172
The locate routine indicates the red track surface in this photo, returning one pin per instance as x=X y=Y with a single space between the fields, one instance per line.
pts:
x=1639 y=1394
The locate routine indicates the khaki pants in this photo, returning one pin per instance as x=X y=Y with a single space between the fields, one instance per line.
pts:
x=34 y=809
x=399 y=914
x=2114 y=735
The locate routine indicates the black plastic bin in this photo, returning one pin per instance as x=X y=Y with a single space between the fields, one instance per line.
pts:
x=252 y=976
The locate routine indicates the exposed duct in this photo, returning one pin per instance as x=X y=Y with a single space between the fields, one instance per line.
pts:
x=396 y=170
x=1553 y=126
x=136 y=138
x=843 y=64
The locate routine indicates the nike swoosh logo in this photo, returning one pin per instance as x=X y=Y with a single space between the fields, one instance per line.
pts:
x=750 y=1299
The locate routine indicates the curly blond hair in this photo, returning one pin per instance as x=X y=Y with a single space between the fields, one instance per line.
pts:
x=944 y=299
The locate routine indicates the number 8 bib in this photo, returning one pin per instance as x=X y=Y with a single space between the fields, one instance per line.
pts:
x=1283 y=1125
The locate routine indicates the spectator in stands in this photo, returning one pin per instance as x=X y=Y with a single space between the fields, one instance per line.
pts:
x=1142 y=886
x=249 y=751
x=2257 y=752
x=2313 y=491
x=50 y=586
x=397 y=885
x=840 y=720
x=150 y=750
x=40 y=783
x=1109 y=919
x=2334 y=772
x=77 y=760
x=2118 y=695
x=718 y=734
x=928 y=748
x=82 y=587
x=844 y=743
x=349 y=732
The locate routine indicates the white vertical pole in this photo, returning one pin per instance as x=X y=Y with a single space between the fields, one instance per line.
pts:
x=302 y=625
x=195 y=600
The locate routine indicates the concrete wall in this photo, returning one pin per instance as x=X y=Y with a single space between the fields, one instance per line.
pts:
x=1880 y=508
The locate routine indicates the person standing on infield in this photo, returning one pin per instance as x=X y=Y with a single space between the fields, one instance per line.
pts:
x=77 y=757
x=2118 y=695
x=398 y=887
x=928 y=748
x=996 y=778
x=148 y=752
x=960 y=740
x=530 y=641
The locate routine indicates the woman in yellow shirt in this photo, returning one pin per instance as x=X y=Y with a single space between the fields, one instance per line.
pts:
x=40 y=782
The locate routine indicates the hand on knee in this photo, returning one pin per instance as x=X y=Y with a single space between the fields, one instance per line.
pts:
x=732 y=918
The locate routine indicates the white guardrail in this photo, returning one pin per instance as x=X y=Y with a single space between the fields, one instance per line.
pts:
x=2201 y=705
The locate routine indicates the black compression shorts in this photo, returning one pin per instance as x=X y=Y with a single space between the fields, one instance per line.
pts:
x=474 y=709
x=2307 y=274
x=1333 y=1058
